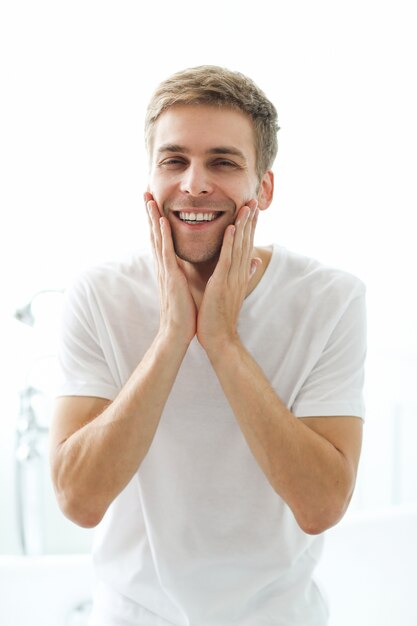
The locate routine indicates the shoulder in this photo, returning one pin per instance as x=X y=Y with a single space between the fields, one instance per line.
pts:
x=112 y=284
x=111 y=275
x=310 y=277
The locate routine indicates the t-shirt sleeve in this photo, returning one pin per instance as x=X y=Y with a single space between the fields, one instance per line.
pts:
x=335 y=384
x=84 y=370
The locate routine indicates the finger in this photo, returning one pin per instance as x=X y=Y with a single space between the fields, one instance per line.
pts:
x=242 y=219
x=156 y=237
x=153 y=216
x=238 y=245
x=168 y=251
x=240 y=224
x=247 y=242
x=255 y=264
x=148 y=197
x=253 y=224
x=148 y=214
x=225 y=258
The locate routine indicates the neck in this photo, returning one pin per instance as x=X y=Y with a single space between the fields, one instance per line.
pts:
x=198 y=274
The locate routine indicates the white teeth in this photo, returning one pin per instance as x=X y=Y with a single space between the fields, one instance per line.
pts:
x=197 y=217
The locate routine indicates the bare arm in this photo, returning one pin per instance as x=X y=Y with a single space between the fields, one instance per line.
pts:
x=310 y=462
x=97 y=446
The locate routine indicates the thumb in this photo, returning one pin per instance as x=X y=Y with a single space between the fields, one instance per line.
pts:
x=255 y=264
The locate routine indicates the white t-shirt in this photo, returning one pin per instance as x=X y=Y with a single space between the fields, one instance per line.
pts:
x=199 y=537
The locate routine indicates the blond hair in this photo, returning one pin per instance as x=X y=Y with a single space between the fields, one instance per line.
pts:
x=210 y=84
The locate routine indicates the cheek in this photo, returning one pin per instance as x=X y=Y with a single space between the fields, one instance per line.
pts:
x=243 y=193
x=158 y=190
x=161 y=184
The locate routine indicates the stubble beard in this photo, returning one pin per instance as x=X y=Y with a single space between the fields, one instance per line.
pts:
x=192 y=251
x=209 y=254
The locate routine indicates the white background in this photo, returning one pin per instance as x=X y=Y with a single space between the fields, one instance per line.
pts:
x=75 y=81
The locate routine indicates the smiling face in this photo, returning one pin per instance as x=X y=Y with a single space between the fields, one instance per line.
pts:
x=202 y=172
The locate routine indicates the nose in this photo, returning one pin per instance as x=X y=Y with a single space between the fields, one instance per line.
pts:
x=196 y=181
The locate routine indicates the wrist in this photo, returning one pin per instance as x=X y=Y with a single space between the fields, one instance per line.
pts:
x=220 y=348
x=173 y=339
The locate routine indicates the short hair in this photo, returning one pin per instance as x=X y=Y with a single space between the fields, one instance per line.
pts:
x=210 y=84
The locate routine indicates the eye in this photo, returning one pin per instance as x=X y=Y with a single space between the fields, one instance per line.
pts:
x=225 y=163
x=172 y=163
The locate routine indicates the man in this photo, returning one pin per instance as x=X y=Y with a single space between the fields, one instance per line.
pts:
x=210 y=418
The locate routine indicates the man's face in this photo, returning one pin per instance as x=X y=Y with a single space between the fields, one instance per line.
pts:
x=202 y=164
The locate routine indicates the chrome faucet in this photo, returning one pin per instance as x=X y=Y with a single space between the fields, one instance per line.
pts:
x=30 y=436
x=30 y=454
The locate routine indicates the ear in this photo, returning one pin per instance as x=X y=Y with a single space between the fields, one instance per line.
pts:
x=266 y=190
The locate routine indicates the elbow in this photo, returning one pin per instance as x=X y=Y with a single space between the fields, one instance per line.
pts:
x=79 y=507
x=319 y=524
x=318 y=521
x=316 y=527
x=326 y=509
x=77 y=512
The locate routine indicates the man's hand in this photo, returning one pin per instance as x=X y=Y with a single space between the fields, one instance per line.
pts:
x=178 y=313
x=228 y=285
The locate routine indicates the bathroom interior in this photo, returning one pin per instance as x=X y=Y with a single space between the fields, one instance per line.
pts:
x=73 y=184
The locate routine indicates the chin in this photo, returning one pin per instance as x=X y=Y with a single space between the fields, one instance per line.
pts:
x=209 y=255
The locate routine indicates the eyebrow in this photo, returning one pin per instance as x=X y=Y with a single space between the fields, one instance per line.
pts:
x=171 y=147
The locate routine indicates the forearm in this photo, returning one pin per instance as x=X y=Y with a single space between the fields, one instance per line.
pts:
x=306 y=470
x=97 y=461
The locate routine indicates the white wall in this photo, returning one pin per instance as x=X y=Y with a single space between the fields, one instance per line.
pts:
x=76 y=77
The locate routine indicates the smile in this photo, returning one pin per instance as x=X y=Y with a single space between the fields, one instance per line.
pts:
x=198 y=218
